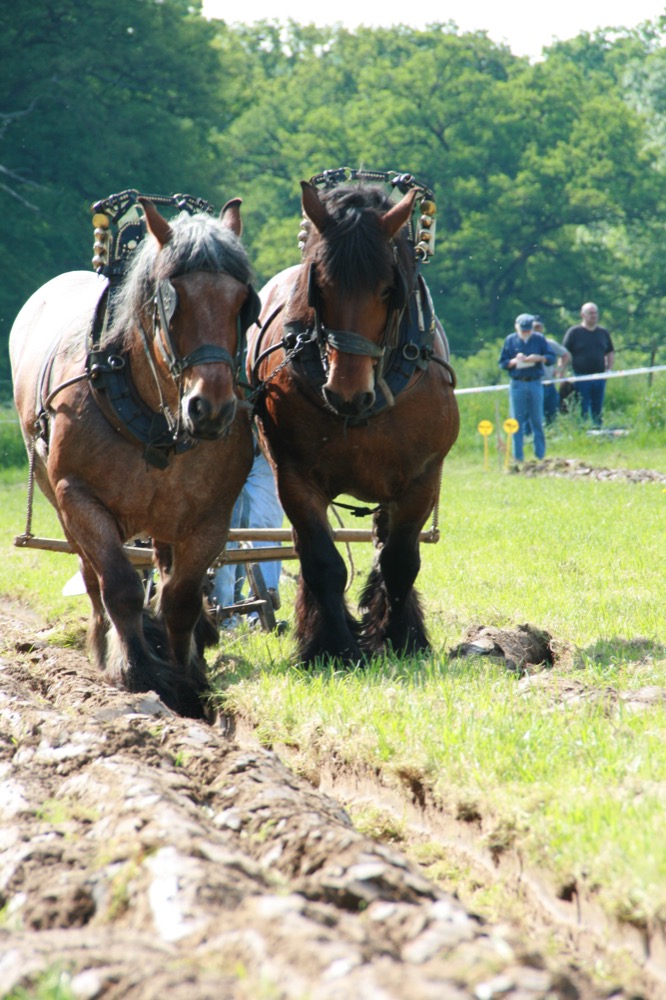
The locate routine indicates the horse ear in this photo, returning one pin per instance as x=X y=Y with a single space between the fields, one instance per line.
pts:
x=396 y=217
x=313 y=208
x=157 y=226
x=231 y=217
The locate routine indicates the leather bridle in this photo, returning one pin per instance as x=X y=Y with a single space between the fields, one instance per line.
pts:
x=166 y=303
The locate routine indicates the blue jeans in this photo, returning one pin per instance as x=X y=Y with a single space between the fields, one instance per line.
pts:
x=257 y=507
x=526 y=399
x=551 y=402
x=592 y=399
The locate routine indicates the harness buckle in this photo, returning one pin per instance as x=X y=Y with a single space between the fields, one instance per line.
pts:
x=411 y=352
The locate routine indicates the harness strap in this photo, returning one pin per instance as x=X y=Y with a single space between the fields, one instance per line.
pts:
x=352 y=343
x=208 y=354
x=128 y=414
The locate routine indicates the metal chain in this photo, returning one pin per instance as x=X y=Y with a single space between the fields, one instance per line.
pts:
x=254 y=395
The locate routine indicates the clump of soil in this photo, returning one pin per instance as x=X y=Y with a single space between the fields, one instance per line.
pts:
x=519 y=648
x=574 y=468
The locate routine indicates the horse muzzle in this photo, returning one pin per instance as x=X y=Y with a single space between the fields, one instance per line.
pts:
x=360 y=402
x=205 y=423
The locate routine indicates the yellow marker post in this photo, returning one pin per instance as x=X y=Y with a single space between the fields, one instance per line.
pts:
x=510 y=427
x=485 y=428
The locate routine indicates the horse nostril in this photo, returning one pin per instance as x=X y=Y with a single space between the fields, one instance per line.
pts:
x=203 y=421
x=198 y=409
x=364 y=401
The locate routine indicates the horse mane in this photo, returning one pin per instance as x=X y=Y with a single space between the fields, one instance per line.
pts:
x=199 y=242
x=353 y=252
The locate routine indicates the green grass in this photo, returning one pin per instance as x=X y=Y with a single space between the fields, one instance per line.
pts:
x=34 y=576
x=569 y=771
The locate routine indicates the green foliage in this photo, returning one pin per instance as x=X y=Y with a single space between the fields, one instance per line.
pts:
x=96 y=98
x=12 y=447
x=549 y=177
x=53 y=984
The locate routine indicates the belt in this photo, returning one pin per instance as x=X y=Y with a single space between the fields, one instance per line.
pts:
x=522 y=378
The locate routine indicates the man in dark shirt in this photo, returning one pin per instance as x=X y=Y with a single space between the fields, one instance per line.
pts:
x=592 y=353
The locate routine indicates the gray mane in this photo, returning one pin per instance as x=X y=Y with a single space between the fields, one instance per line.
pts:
x=199 y=243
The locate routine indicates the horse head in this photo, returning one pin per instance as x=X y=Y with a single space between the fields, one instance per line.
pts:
x=203 y=303
x=358 y=271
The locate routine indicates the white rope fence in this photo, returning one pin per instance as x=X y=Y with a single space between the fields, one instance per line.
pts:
x=572 y=378
x=501 y=386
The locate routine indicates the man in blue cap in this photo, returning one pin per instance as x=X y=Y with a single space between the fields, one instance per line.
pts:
x=524 y=355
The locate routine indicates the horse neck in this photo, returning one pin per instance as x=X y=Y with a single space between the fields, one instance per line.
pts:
x=297 y=307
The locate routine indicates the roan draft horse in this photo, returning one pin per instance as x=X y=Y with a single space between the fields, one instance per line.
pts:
x=355 y=396
x=144 y=435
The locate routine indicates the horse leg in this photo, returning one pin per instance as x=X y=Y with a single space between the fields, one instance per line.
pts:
x=99 y=625
x=391 y=609
x=324 y=626
x=188 y=627
x=128 y=661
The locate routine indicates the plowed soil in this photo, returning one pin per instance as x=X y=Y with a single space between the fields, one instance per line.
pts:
x=143 y=855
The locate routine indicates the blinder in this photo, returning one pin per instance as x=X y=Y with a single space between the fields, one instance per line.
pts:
x=400 y=291
x=250 y=310
x=313 y=291
x=167 y=303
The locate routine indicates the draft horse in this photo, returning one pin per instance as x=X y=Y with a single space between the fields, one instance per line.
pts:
x=142 y=434
x=355 y=397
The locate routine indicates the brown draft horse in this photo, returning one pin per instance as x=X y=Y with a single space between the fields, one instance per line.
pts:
x=355 y=396
x=177 y=324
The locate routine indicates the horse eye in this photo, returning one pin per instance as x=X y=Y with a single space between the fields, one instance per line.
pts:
x=387 y=293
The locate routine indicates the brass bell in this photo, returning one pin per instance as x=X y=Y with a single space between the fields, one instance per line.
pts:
x=425 y=221
x=428 y=207
x=98 y=261
x=425 y=236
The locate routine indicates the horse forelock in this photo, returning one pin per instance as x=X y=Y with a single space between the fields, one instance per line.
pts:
x=353 y=253
x=198 y=243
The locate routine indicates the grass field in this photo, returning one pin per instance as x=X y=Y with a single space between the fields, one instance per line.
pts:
x=567 y=766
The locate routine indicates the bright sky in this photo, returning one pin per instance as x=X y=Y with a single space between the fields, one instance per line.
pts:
x=525 y=26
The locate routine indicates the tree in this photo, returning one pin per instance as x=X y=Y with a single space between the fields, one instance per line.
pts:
x=95 y=98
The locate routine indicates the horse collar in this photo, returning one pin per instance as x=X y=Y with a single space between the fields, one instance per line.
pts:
x=118 y=399
x=114 y=391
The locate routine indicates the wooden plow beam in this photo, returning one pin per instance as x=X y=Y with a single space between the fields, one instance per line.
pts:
x=141 y=555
